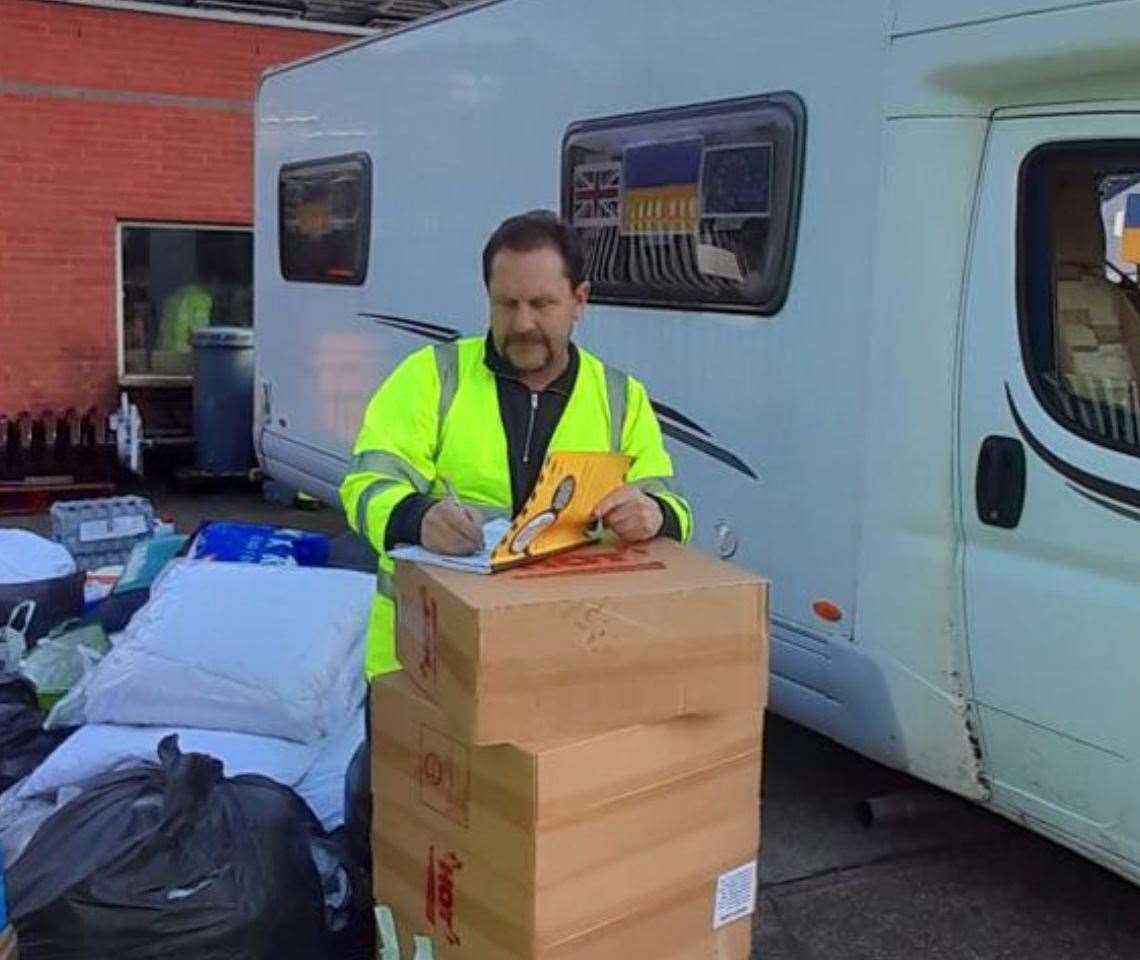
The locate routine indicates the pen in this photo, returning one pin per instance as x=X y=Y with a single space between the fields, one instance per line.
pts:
x=450 y=490
x=453 y=498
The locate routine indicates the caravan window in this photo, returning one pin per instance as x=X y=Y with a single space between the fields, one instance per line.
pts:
x=1080 y=300
x=324 y=217
x=692 y=207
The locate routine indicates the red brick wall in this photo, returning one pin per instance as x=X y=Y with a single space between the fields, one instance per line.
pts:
x=77 y=155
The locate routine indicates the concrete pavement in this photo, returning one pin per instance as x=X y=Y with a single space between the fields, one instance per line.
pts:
x=963 y=885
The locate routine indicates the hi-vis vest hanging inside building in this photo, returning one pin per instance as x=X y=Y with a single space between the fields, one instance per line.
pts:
x=435 y=416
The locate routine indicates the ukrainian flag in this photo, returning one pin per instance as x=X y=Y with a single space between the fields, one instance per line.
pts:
x=661 y=187
x=1130 y=239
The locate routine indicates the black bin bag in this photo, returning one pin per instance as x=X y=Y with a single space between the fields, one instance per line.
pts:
x=173 y=860
x=24 y=744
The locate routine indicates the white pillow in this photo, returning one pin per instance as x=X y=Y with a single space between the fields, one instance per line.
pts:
x=273 y=651
x=322 y=786
x=99 y=748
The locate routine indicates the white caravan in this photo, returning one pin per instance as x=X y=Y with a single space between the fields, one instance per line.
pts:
x=875 y=262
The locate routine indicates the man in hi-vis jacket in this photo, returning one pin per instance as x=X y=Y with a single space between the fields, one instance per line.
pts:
x=482 y=413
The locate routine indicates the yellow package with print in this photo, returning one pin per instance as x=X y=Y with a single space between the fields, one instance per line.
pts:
x=559 y=514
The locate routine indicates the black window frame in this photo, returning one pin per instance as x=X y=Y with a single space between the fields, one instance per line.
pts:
x=316 y=164
x=796 y=110
x=1036 y=308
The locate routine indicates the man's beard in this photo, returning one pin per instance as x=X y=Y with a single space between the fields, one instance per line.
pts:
x=528 y=343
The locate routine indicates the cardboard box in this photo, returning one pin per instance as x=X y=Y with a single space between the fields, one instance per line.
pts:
x=8 y=949
x=597 y=639
x=612 y=846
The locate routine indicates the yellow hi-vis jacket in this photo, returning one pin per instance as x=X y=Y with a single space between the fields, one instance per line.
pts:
x=437 y=415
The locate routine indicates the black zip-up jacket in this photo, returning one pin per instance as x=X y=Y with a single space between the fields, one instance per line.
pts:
x=529 y=420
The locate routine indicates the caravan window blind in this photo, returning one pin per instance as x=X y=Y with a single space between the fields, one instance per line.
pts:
x=689 y=207
x=324 y=219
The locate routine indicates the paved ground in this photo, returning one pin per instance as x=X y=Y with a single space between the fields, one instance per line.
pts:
x=963 y=885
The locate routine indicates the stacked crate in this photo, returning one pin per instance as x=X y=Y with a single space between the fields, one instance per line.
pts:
x=103 y=531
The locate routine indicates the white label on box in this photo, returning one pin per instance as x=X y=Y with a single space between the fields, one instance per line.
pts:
x=112 y=528
x=735 y=895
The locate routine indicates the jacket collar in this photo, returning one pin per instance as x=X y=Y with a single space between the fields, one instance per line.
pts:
x=501 y=367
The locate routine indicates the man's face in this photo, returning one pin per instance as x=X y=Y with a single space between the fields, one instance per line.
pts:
x=533 y=308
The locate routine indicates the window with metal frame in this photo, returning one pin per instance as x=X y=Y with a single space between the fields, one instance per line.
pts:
x=691 y=207
x=1079 y=299
x=324 y=219
x=175 y=279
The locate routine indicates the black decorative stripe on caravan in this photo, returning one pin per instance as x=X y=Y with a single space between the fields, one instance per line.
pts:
x=687 y=431
x=663 y=410
x=1107 y=504
x=707 y=447
x=1109 y=489
x=419 y=327
x=673 y=423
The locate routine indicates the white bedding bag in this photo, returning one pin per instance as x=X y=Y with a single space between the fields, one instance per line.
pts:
x=273 y=651
x=96 y=749
x=26 y=557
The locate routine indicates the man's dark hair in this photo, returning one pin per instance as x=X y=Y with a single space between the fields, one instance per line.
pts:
x=537 y=230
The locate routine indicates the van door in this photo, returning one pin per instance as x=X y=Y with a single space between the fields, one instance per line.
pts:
x=1049 y=439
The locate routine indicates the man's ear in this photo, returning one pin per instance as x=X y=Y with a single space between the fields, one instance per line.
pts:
x=582 y=294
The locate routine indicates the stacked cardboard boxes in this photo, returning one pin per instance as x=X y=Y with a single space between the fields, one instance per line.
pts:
x=569 y=766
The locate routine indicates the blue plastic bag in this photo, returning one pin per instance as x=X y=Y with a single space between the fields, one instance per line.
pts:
x=255 y=543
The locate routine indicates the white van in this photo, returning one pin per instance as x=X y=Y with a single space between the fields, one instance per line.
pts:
x=876 y=263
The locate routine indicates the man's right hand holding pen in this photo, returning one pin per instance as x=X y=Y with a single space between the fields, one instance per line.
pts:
x=451 y=528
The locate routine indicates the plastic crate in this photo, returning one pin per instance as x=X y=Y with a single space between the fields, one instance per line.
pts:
x=102 y=532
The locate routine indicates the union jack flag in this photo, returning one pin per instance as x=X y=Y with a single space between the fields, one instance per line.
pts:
x=597 y=194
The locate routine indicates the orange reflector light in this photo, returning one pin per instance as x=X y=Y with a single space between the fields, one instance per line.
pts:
x=826 y=610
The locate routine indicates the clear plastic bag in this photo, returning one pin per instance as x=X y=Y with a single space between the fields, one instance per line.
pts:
x=62 y=658
x=71 y=709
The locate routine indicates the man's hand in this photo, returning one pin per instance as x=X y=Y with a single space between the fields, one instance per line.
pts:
x=447 y=528
x=632 y=514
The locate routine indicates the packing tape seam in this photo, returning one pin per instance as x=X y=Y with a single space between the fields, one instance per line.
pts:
x=587 y=809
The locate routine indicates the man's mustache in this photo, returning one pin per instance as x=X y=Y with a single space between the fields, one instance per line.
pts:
x=526 y=339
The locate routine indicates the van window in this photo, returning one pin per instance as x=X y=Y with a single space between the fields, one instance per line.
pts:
x=324 y=217
x=1079 y=229
x=690 y=207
